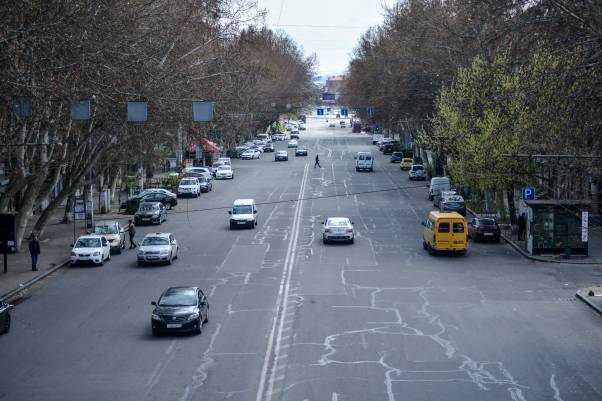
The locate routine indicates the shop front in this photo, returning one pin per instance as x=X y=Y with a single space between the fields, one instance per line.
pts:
x=557 y=227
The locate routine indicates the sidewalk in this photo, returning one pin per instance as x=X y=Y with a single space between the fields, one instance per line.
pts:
x=55 y=245
x=592 y=296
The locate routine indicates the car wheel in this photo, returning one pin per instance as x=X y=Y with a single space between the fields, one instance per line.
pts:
x=170 y=258
x=424 y=245
x=357 y=169
x=206 y=316
x=102 y=262
x=324 y=240
x=119 y=250
x=177 y=249
x=140 y=264
x=352 y=240
x=371 y=169
x=109 y=256
x=199 y=328
x=232 y=226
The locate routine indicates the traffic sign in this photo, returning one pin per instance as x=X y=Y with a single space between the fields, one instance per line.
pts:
x=528 y=193
x=344 y=112
x=320 y=112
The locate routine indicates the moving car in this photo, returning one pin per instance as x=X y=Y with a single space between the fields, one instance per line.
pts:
x=337 y=229
x=279 y=137
x=301 y=151
x=437 y=185
x=396 y=157
x=293 y=143
x=484 y=229
x=196 y=171
x=91 y=249
x=301 y=126
x=295 y=135
x=113 y=232
x=445 y=231
x=250 y=154
x=281 y=155
x=215 y=166
x=155 y=190
x=243 y=214
x=180 y=309
x=189 y=186
x=158 y=248
x=225 y=160
x=5 y=317
x=417 y=172
x=269 y=148
x=406 y=163
x=364 y=161
x=224 y=172
x=205 y=184
x=342 y=124
x=150 y=213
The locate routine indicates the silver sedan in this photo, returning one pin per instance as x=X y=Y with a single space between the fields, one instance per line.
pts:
x=338 y=229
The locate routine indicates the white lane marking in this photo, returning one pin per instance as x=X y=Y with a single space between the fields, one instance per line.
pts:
x=335 y=396
x=282 y=300
x=555 y=388
x=171 y=346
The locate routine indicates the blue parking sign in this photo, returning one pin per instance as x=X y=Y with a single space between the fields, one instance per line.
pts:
x=320 y=112
x=528 y=193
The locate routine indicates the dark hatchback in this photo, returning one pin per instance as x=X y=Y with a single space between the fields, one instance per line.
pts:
x=168 y=201
x=5 y=317
x=150 y=213
x=396 y=157
x=205 y=184
x=484 y=229
x=180 y=309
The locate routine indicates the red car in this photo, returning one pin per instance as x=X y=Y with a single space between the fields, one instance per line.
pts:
x=484 y=229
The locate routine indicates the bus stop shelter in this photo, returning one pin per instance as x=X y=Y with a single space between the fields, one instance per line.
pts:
x=557 y=227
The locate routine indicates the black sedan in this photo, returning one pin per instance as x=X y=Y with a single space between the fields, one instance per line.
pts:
x=168 y=201
x=5 y=317
x=180 y=309
x=150 y=213
x=206 y=184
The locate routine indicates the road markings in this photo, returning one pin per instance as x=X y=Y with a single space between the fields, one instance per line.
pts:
x=272 y=354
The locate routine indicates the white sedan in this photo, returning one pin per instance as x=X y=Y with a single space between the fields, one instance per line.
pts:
x=91 y=249
x=338 y=229
x=250 y=154
x=293 y=143
x=157 y=248
x=224 y=172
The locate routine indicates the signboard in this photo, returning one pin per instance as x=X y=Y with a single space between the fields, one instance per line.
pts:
x=79 y=211
x=7 y=233
x=320 y=112
x=528 y=193
x=344 y=112
x=80 y=110
x=584 y=226
x=137 y=112
x=202 y=111
x=370 y=111
x=328 y=96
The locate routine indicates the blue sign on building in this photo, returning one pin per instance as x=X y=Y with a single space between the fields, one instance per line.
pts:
x=320 y=112
x=528 y=193
x=344 y=112
x=370 y=111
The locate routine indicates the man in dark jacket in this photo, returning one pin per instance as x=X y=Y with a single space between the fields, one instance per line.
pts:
x=317 y=163
x=131 y=229
x=34 y=250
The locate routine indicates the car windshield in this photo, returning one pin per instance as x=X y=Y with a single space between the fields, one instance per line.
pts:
x=416 y=168
x=187 y=182
x=147 y=207
x=202 y=180
x=151 y=241
x=178 y=298
x=217 y=164
x=224 y=168
x=452 y=204
x=242 y=209
x=88 y=243
x=487 y=222
x=108 y=229
x=337 y=223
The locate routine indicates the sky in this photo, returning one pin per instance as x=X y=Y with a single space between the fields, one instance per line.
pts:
x=329 y=28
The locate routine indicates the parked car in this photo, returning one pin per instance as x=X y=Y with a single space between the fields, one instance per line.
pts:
x=93 y=249
x=301 y=151
x=281 y=155
x=180 y=309
x=113 y=232
x=166 y=200
x=196 y=171
x=482 y=229
x=215 y=166
x=439 y=197
x=417 y=172
x=150 y=213
x=437 y=185
x=159 y=190
x=293 y=143
x=205 y=184
x=269 y=148
x=250 y=154
x=406 y=163
x=189 y=186
x=158 y=248
x=224 y=172
x=337 y=229
x=396 y=157
x=5 y=317
x=295 y=135
x=453 y=203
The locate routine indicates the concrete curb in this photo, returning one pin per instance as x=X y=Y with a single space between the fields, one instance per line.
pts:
x=23 y=286
x=582 y=295
x=536 y=258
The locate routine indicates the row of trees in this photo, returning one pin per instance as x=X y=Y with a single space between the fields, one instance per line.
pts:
x=165 y=52
x=477 y=80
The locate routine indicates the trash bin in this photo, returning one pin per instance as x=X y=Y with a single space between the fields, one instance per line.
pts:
x=132 y=205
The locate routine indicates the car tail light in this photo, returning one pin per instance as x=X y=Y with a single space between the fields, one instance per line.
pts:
x=350 y=230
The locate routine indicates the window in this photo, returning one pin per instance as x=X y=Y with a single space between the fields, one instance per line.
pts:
x=443 y=227
x=368 y=157
x=361 y=157
x=458 y=227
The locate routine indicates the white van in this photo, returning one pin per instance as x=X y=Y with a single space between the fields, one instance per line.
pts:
x=438 y=184
x=243 y=214
x=364 y=161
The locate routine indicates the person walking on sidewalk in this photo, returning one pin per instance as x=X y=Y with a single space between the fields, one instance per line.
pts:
x=317 y=163
x=34 y=250
x=522 y=226
x=131 y=229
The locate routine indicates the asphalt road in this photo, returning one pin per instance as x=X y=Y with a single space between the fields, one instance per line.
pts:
x=293 y=319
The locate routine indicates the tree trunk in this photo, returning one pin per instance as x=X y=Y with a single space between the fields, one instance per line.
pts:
x=68 y=215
